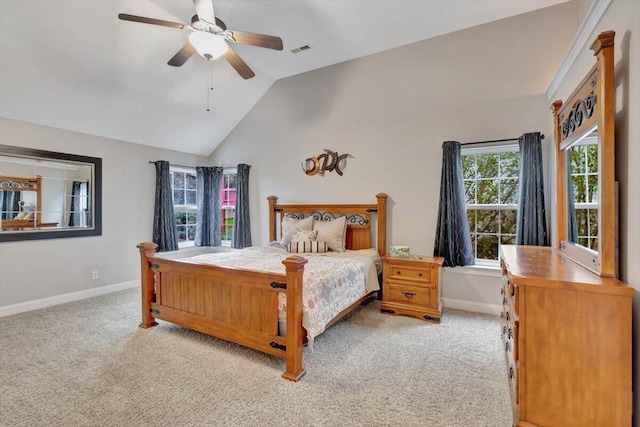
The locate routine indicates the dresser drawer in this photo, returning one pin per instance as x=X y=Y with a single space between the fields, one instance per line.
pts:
x=404 y=273
x=409 y=294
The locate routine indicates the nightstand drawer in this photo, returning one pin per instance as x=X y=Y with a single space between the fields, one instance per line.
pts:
x=402 y=272
x=407 y=294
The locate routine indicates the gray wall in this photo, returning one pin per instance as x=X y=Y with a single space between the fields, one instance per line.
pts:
x=32 y=270
x=392 y=111
x=623 y=17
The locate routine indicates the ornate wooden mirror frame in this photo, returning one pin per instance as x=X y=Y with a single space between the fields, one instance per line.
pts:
x=590 y=107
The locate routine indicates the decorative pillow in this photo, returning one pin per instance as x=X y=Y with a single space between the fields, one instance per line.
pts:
x=304 y=235
x=28 y=216
x=290 y=225
x=309 y=247
x=21 y=215
x=333 y=232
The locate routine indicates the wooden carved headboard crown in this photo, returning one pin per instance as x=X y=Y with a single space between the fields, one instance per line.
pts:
x=358 y=220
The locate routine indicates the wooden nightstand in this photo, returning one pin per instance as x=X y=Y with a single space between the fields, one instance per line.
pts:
x=411 y=286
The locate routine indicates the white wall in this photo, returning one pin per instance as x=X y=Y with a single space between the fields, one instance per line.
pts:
x=623 y=17
x=32 y=270
x=392 y=111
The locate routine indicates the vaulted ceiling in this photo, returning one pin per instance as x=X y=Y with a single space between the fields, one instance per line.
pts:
x=74 y=65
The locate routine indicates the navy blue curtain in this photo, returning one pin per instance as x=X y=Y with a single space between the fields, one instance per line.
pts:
x=79 y=199
x=453 y=239
x=241 y=225
x=9 y=204
x=164 y=225
x=531 y=226
x=208 y=223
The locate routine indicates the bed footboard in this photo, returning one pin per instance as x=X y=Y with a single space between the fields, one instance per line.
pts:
x=232 y=304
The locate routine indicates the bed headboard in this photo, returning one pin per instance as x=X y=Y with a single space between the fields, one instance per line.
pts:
x=358 y=220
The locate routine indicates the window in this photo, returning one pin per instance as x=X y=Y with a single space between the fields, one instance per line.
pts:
x=185 y=208
x=184 y=186
x=491 y=187
x=228 y=204
x=583 y=163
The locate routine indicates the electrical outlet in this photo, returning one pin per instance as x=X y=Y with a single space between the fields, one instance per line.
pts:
x=94 y=275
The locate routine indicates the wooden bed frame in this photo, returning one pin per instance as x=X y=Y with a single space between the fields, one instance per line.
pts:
x=242 y=305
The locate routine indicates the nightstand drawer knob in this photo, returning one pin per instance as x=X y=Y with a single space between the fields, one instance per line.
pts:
x=398 y=272
x=409 y=294
x=419 y=274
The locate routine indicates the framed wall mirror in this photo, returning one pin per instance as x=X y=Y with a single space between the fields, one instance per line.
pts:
x=585 y=167
x=46 y=195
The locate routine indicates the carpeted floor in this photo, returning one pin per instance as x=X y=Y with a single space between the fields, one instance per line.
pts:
x=88 y=364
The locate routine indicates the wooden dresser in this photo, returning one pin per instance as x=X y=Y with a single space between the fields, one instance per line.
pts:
x=567 y=340
x=411 y=286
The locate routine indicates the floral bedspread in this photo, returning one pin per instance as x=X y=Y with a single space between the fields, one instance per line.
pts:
x=330 y=284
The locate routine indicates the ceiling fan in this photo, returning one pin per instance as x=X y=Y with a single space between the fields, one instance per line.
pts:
x=209 y=37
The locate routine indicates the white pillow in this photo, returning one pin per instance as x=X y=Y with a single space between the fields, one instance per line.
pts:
x=309 y=247
x=290 y=225
x=333 y=232
x=304 y=235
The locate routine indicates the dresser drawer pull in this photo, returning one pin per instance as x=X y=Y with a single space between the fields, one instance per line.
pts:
x=507 y=347
x=504 y=330
x=510 y=333
x=408 y=294
x=511 y=373
x=504 y=300
x=502 y=314
x=507 y=315
x=501 y=291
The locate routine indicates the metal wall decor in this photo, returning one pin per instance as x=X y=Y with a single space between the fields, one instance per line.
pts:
x=583 y=110
x=327 y=161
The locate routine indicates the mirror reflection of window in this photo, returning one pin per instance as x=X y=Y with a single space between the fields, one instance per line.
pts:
x=583 y=171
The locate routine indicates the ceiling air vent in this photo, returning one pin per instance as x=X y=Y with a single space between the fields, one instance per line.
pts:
x=301 y=48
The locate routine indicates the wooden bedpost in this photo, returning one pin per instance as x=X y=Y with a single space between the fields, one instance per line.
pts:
x=147 y=250
x=294 y=266
x=382 y=221
x=273 y=200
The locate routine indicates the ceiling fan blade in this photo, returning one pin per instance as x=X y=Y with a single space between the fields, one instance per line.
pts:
x=142 y=19
x=261 y=40
x=238 y=63
x=204 y=9
x=182 y=56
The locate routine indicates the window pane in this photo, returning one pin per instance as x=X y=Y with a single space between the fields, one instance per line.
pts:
x=470 y=192
x=579 y=189
x=508 y=220
x=473 y=244
x=509 y=191
x=488 y=191
x=487 y=247
x=576 y=159
x=191 y=232
x=508 y=240
x=178 y=180
x=593 y=222
x=191 y=197
x=583 y=241
x=488 y=221
x=191 y=218
x=509 y=164
x=592 y=158
x=593 y=188
x=180 y=217
x=182 y=233
x=230 y=181
x=581 y=221
x=469 y=166
x=471 y=216
x=191 y=181
x=178 y=197
x=594 y=244
x=487 y=165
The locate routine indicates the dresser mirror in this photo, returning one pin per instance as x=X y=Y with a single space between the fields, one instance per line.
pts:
x=46 y=195
x=585 y=189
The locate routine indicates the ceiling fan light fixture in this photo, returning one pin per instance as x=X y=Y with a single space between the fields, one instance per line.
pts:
x=208 y=45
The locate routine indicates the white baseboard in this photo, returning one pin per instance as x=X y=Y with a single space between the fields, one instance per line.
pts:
x=21 y=307
x=474 y=306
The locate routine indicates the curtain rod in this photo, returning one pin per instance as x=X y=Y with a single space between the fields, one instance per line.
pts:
x=171 y=164
x=496 y=140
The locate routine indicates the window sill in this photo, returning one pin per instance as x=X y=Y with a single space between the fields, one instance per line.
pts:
x=491 y=270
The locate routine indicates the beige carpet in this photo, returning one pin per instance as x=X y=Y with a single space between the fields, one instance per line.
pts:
x=88 y=364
